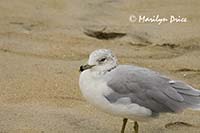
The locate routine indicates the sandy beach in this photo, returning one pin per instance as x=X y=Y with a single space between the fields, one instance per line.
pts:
x=42 y=45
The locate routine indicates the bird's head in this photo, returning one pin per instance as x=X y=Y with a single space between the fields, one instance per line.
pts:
x=100 y=60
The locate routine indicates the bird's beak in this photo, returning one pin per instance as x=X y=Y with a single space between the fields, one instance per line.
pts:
x=85 y=67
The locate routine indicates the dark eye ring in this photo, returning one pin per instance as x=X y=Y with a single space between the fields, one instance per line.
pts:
x=102 y=60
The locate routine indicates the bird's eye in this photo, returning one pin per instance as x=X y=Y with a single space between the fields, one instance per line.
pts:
x=102 y=60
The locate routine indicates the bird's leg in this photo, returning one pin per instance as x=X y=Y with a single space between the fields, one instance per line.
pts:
x=136 y=127
x=124 y=125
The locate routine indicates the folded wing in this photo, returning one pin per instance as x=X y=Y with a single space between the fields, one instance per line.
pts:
x=151 y=90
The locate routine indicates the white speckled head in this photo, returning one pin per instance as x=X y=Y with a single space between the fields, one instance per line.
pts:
x=104 y=60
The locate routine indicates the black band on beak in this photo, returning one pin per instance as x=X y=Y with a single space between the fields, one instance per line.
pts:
x=85 y=67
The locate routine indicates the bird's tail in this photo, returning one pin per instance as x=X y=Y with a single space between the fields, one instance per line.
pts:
x=191 y=96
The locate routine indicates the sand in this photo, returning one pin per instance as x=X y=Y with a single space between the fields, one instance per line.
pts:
x=42 y=45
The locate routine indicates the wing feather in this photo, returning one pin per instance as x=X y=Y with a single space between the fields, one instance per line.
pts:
x=151 y=90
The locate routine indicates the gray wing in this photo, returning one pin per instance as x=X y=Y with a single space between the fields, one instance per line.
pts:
x=151 y=90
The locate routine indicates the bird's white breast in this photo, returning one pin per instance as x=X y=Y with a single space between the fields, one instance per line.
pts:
x=93 y=88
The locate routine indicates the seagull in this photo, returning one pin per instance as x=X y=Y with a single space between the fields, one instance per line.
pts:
x=132 y=92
